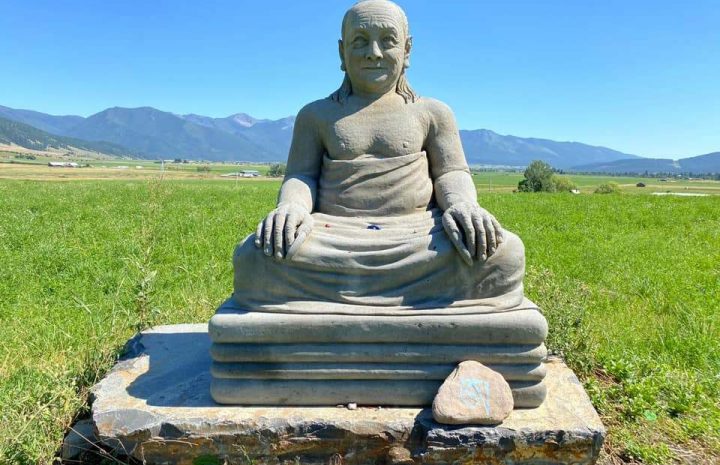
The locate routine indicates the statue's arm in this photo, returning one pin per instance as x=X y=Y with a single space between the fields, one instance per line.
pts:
x=451 y=176
x=303 y=167
x=284 y=230
x=473 y=230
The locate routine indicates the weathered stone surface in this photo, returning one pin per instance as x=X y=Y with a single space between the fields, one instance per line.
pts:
x=303 y=359
x=406 y=393
x=473 y=394
x=79 y=441
x=375 y=353
x=523 y=326
x=357 y=371
x=155 y=406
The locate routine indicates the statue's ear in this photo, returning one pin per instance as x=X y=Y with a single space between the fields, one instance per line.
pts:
x=342 y=55
x=408 y=47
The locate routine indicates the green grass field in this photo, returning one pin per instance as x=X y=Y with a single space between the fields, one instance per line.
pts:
x=501 y=181
x=629 y=283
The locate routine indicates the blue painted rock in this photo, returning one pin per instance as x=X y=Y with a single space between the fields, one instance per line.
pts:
x=473 y=394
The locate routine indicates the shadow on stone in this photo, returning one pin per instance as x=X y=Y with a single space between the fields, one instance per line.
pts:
x=155 y=406
x=178 y=373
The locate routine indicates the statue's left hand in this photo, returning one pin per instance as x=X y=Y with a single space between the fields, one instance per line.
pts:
x=474 y=232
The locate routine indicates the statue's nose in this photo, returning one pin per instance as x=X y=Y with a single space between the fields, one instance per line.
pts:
x=374 y=52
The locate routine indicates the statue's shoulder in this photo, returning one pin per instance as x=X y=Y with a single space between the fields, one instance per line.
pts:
x=434 y=107
x=319 y=110
x=439 y=113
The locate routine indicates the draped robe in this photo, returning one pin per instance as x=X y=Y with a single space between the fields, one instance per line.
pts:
x=357 y=262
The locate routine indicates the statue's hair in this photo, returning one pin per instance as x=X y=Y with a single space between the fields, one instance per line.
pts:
x=403 y=86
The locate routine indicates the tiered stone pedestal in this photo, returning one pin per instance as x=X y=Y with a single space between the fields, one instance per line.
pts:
x=308 y=359
x=155 y=406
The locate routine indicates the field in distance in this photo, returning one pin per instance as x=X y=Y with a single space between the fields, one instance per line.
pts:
x=14 y=167
x=630 y=285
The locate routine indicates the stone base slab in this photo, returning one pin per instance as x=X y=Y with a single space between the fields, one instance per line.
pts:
x=155 y=406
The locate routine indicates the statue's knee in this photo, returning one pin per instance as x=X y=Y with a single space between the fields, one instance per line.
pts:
x=513 y=245
x=245 y=248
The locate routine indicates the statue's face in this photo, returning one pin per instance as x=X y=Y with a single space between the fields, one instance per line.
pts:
x=374 y=48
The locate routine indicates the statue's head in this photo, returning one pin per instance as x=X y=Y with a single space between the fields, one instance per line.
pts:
x=375 y=50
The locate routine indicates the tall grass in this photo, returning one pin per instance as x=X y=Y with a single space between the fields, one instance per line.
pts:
x=629 y=284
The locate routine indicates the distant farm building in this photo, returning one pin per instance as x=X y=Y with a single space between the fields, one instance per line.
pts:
x=242 y=174
x=63 y=164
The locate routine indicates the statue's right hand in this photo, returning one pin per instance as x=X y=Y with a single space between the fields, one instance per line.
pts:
x=282 y=232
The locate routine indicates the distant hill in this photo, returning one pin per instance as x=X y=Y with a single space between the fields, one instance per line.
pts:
x=702 y=164
x=58 y=125
x=158 y=134
x=273 y=135
x=708 y=163
x=151 y=133
x=13 y=132
x=485 y=147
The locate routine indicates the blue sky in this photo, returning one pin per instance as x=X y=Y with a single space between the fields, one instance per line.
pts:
x=639 y=76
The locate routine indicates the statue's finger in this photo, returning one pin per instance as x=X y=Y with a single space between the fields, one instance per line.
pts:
x=278 y=237
x=307 y=222
x=259 y=234
x=498 y=231
x=453 y=232
x=302 y=233
x=481 y=238
x=469 y=230
x=490 y=233
x=267 y=235
x=291 y=226
x=293 y=249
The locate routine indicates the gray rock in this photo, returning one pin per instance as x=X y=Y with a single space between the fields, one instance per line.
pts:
x=79 y=441
x=473 y=394
x=155 y=406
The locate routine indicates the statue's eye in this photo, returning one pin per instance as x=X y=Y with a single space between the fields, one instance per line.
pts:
x=390 y=41
x=359 y=42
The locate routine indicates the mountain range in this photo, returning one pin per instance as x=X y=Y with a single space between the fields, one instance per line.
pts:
x=150 y=133
x=708 y=163
x=29 y=137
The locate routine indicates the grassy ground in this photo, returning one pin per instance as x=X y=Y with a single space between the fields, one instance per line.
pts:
x=500 y=181
x=630 y=285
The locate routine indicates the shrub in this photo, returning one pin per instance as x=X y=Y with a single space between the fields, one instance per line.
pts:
x=277 y=170
x=538 y=178
x=563 y=183
x=608 y=188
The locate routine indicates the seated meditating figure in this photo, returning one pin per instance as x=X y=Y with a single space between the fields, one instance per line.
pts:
x=377 y=246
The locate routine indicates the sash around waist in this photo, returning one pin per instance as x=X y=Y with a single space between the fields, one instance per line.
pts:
x=374 y=186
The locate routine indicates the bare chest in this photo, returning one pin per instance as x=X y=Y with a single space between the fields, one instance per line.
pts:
x=382 y=134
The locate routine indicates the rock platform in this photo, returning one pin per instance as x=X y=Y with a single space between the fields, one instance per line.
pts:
x=155 y=406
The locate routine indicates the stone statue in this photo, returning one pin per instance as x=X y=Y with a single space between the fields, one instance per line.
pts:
x=378 y=271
